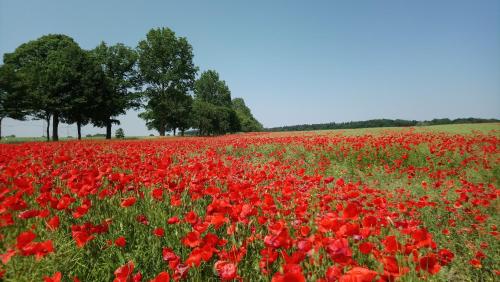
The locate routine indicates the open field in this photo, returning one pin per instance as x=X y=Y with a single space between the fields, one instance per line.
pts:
x=347 y=205
x=485 y=128
x=470 y=128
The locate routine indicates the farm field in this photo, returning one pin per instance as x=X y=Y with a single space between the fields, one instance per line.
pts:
x=344 y=205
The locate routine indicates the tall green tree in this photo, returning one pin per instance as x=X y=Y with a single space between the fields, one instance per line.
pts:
x=211 y=89
x=48 y=69
x=247 y=121
x=212 y=109
x=204 y=116
x=168 y=73
x=88 y=94
x=12 y=104
x=118 y=63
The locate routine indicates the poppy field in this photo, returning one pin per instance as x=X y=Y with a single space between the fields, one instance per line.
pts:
x=392 y=206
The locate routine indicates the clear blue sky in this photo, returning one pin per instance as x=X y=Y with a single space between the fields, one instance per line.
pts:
x=298 y=62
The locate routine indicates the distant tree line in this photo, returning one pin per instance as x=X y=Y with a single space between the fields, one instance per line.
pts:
x=378 y=123
x=53 y=79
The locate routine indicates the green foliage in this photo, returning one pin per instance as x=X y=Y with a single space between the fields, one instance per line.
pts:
x=210 y=89
x=48 y=73
x=118 y=63
x=12 y=104
x=212 y=109
x=119 y=133
x=53 y=78
x=86 y=101
x=247 y=121
x=378 y=123
x=168 y=73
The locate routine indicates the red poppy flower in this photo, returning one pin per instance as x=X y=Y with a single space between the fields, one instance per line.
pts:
x=192 y=239
x=24 y=239
x=55 y=278
x=159 y=232
x=81 y=238
x=358 y=274
x=365 y=248
x=430 y=264
x=173 y=220
x=162 y=277
x=53 y=223
x=475 y=262
x=124 y=272
x=169 y=255
x=339 y=250
x=127 y=202
x=191 y=217
x=5 y=258
x=226 y=270
x=391 y=244
x=157 y=194
x=120 y=241
x=142 y=219
x=351 y=210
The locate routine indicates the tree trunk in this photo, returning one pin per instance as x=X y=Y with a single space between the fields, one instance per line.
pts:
x=108 y=129
x=79 y=129
x=47 y=118
x=182 y=132
x=1 y=128
x=174 y=130
x=161 y=131
x=55 y=127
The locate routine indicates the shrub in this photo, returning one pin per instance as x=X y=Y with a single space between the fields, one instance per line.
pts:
x=119 y=133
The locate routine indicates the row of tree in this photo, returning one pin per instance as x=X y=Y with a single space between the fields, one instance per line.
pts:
x=379 y=123
x=52 y=78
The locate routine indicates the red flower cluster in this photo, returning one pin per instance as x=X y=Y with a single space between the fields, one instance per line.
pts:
x=323 y=207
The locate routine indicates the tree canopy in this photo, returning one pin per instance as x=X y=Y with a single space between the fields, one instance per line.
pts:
x=212 y=110
x=247 y=121
x=52 y=78
x=118 y=63
x=168 y=73
x=49 y=74
x=12 y=104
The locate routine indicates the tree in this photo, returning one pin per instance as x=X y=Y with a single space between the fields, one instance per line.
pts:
x=212 y=109
x=212 y=90
x=119 y=133
x=247 y=121
x=12 y=104
x=203 y=117
x=168 y=73
x=85 y=102
x=48 y=70
x=118 y=63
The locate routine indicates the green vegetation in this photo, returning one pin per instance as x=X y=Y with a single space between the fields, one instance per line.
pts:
x=379 y=123
x=247 y=122
x=118 y=64
x=53 y=79
x=466 y=128
x=120 y=134
x=433 y=194
x=168 y=73
x=212 y=108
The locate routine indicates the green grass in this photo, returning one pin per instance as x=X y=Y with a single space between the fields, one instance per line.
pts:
x=469 y=128
x=97 y=260
x=13 y=140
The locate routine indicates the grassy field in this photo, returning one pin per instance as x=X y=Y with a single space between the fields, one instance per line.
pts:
x=487 y=128
x=345 y=205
